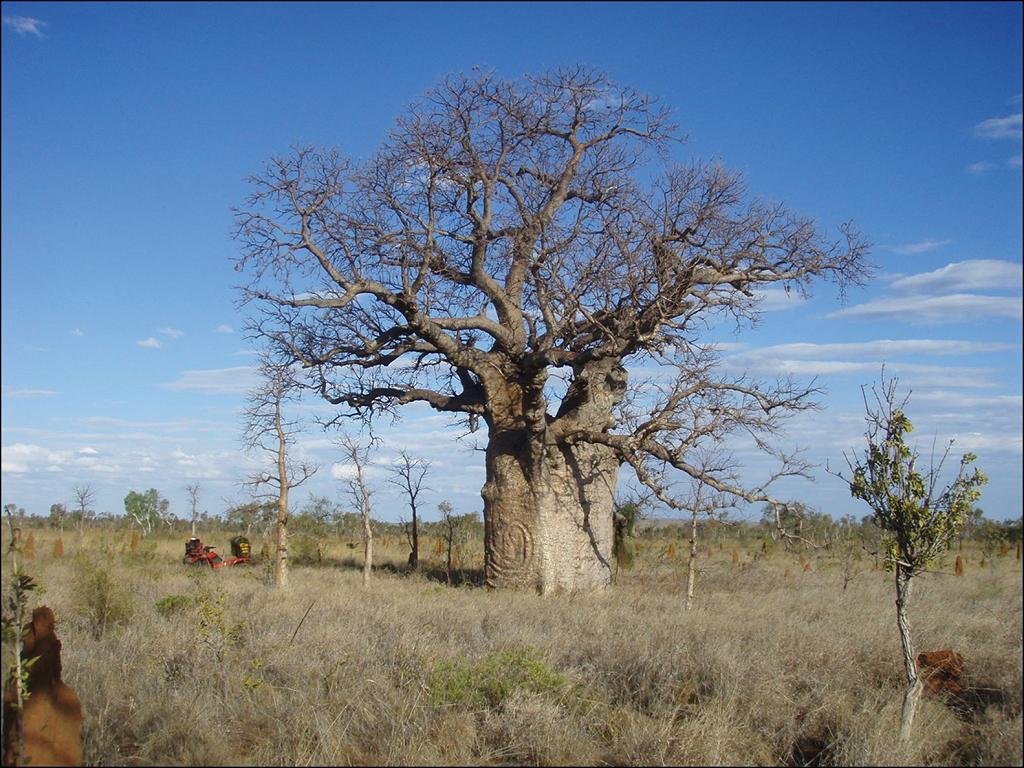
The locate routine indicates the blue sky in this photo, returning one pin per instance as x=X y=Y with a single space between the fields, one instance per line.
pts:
x=128 y=130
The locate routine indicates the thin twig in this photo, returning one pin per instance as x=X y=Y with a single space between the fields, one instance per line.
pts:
x=297 y=628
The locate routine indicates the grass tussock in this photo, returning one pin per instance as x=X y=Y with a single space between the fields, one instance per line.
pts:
x=179 y=665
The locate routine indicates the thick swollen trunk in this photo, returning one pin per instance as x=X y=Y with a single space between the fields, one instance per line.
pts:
x=548 y=525
x=549 y=494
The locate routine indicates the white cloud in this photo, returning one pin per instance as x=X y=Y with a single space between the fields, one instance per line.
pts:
x=150 y=343
x=343 y=471
x=1000 y=403
x=977 y=274
x=936 y=309
x=879 y=348
x=174 y=333
x=775 y=299
x=1008 y=127
x=979 y=168
x=216 y=381
x=8 y=392
x=87 y=451
x=77 y=332
x=223 y=328
x=922 y=375
x=25 y=25
x=24 y=457
x=921 y=247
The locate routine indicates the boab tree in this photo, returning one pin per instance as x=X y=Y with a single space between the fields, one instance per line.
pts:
x=502 y=233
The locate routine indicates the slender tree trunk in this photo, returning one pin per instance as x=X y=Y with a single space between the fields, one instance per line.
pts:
x=367 y=545
x=19 y=619
x=913 y=692
x=691 y=566
x=450 y=542
x=414 y=556
x=281 y=561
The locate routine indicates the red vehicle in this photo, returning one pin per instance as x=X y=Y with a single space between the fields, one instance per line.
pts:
x=197 y=553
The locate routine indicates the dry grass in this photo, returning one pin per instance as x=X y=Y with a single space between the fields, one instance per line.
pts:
x=767 y=669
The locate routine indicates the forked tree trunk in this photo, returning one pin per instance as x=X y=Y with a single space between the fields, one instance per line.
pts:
x=913 y=692
x=548 y=507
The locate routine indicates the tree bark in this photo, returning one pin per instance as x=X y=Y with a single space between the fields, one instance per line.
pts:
x=913 y=691
x=691 y=566
x=281 y=561
x=367 y=545
x=547 y=502
x=548 y=528
x=414 y=555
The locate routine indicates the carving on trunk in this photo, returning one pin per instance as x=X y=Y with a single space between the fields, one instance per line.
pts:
x=512 y=551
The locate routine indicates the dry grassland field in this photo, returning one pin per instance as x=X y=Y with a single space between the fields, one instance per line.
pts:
x=775 y=665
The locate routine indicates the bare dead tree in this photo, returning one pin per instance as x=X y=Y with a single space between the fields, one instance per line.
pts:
x=85 y=497
x=409 y=474
x=501 y=235
x=704 y=501
x=192 y=490
x=266 y=429
x=359 y=456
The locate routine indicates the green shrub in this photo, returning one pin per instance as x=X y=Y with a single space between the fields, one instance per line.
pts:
x=100 y=598
x=215 y=628
x=302 y=550
x=490 y=681
x=171 y=604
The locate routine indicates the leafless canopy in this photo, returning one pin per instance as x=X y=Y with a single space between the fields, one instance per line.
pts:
x=502 y=232
x=265 y=428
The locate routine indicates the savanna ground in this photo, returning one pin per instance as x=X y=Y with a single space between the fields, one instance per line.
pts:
x=776 y=665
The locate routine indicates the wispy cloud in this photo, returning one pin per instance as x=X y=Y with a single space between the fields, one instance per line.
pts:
x=25 y=25
x=947 y=294
x=78 y=332
x=882 y=348
x=8 y=392
x=173 y=333
x=1014 y=162
x=150 y=343
x=216 y=381
x=972 y=275
x=775 y=299
x=979 y=168
x=921 y=247
x=1008 y=127
x=919 y=374
x=19 y=458
x=223 y=328
x=936 y=309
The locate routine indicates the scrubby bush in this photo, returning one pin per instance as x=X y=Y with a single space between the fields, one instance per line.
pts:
x=102 y=600
x=489 y=682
